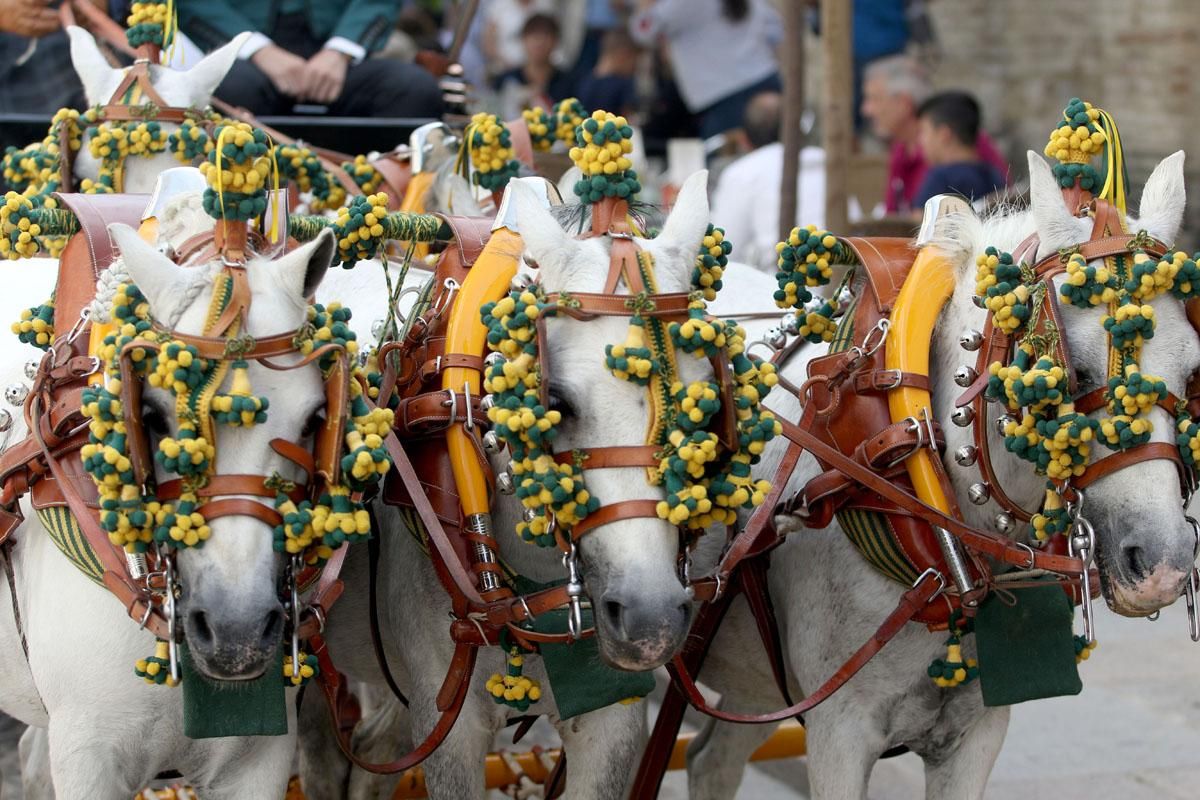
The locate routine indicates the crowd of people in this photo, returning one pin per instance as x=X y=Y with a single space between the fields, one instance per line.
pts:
x=676 y=68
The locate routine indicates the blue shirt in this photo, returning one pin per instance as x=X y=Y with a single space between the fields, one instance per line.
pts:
x=971 y=179
x=611 y=92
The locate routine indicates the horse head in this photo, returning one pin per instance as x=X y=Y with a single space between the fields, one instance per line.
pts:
x=1145 y=544
x=230 y=605
x=191 y=89
x=642 y=609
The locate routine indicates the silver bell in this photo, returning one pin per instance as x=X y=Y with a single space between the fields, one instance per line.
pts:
x=965 y=375
x=1003 y=421
x=377 y=328
x=492 y=443
x=814 y=304
x=790 y=324
x=15 y=393
x=965 y=456
x=5 y=420
x=963 y=416
x=529 y=514
x=1005 y=523
x=521 y=281
x=844 y=298
x=979 y=493
x=487 y=402
x=979 y=301
x=970 y=340
x=777 y=339
x=505 y=483
x=31 y=368
x=491 y=359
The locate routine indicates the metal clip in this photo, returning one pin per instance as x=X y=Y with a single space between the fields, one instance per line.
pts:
x=470 y=423
x=574 y=593
x=169 y=604
x=1189 y=596
x=1081 y=544
x=294 y=590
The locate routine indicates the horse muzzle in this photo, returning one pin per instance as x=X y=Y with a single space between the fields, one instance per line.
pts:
x=639 y=632
x=229 y=644
x=1142 y=577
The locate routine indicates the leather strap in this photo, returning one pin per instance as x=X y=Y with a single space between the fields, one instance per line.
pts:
x=221 y=485
x=1138 y=454
x=640 y=455
x=928 y=586
x=615 y=512
x=984 y=542
x=884 y=380
x=583 y=305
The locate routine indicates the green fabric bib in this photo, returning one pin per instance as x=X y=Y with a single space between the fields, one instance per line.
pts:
x=233 y=708
x=1026 y=650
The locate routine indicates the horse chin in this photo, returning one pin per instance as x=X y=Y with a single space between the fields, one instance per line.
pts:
x=638 y=655
x=1159 y=589
x=225 y=669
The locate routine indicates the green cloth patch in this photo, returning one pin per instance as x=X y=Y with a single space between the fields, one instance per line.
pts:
x=233 y=708
x=1026 y=650
x=581 y=682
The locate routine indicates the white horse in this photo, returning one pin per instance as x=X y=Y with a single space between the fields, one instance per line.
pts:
x=191 y=89
x=642 y=611
x=829 y=600
x=109 y=734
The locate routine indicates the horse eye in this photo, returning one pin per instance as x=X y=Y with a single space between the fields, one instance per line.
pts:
x=556 y=402
x=1085 y=379
x=154 y=422
x=313 y=423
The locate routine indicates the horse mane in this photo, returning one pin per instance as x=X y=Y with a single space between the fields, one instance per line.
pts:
x=963 y=236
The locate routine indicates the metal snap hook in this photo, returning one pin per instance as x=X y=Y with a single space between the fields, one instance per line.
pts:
x=574 y=589
x=1189 y=597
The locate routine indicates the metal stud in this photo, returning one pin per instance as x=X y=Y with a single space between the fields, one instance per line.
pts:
x=1003 y=421
x=492 y=443
x=963 y=416
x=1005 y=523
x=790 y=324
x=31 y=368
x=970 y=340
x=5 y=420
x=777 y=339
x=377 y=328
x=979 y=493
x=15 y=393
x=505 y=484
x=965 y=375
x=965 y=456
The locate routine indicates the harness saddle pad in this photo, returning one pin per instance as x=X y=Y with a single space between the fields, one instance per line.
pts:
x=1026 y=649
x=245 y=708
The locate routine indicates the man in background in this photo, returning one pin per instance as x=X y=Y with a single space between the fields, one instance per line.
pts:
x=35 y=61
x=304 y=51
x=948 y=132
x=893 y=90
x=746 y=200
x=611 y=85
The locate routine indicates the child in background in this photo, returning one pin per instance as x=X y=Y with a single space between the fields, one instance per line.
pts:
x=538 y=82
x=611 y=85
x=948 y=132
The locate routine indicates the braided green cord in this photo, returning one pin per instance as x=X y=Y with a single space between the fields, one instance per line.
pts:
x=399 y=225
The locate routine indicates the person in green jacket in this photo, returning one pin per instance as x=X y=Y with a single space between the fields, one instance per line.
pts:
x=312 y=51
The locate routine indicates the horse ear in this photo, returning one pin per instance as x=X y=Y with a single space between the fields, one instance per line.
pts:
x=99 y=79
x=205 y=77
x=301 y=271
x=1057 y=227
x=158 y=277
x=1163 y=199
x=543 y=237
x=688 y=220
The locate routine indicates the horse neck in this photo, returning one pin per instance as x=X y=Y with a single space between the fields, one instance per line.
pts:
x=1017 y=477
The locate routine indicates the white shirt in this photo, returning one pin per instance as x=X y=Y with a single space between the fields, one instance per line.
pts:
x=746 y=201
x=508 y=17
x=711 y=57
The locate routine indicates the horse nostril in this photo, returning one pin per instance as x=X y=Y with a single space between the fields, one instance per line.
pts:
x=1135 y=562
x=273 y=628
x=615 y=612
x=198 y=626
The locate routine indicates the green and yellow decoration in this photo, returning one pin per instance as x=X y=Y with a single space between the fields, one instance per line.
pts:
x=540 y=125
x=954 y=669
x=151 y=24
x=513 y=688
x=487 y=146
x=603 y=143
x=805 y=261
x=565 y=117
